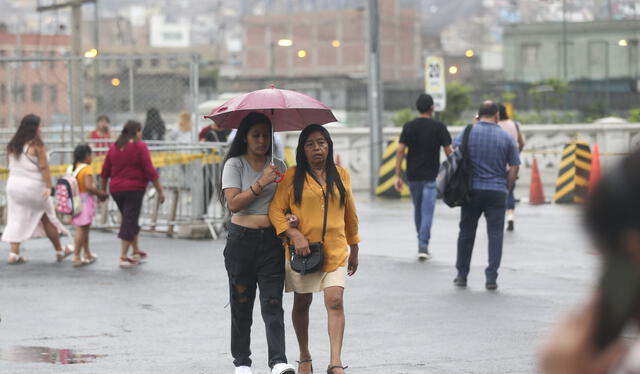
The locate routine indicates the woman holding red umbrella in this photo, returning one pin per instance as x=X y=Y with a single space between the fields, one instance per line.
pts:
x=254 y=257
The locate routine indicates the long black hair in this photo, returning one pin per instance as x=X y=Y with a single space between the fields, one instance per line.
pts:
x=27 y=132
x=502 y=110
x=129 y=132
x=239 y=144
x=79 y=154
x=303 y=168
x=154 y=127
x=614 y=206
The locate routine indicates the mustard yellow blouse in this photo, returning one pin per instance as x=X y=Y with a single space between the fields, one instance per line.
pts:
x=342 y=221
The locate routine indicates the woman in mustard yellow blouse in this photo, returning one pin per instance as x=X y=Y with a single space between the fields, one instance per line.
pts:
x=301 y=195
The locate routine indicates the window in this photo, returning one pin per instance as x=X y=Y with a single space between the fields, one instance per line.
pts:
x=598 y=52
x=3 y=93
x=570 y=53
x=139 y=63
x=53 y=94
x=172 y=36
x=633 y=58
x=52 y=63
x=18 y=93
x=36 y=93
x=530 y=54
x=155 y=62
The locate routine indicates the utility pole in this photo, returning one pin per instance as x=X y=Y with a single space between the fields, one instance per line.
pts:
x=564 y=41
x=76 y=59
x=375 y=93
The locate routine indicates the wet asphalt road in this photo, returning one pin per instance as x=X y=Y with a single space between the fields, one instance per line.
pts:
x=170 y=315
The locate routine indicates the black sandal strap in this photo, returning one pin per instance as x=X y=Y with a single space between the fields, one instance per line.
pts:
x=304 y=361
x=337 y=367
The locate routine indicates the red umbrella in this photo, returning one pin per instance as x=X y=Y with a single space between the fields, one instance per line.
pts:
x=288 y=110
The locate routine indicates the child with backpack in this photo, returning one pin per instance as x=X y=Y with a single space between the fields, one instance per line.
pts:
x=83 y=173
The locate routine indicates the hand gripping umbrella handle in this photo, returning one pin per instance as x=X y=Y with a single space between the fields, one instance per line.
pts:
x=279 y=177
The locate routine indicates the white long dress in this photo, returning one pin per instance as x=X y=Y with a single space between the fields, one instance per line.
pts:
x=25 y=201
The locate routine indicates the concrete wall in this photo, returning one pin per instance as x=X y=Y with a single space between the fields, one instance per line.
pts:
x=544 y=142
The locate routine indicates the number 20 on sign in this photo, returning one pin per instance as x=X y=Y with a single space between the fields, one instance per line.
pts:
x=434 y=81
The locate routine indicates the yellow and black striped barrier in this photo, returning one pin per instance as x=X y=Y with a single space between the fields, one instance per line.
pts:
x=386 y=175
x=572 y=185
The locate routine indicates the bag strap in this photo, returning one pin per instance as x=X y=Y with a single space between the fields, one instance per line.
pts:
x=326 y=210
x=325 y=194
x=465 y=140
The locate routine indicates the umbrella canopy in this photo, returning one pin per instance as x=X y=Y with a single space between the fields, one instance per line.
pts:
x=288 y=110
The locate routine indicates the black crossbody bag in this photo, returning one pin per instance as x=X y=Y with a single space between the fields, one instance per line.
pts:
x=313 y=262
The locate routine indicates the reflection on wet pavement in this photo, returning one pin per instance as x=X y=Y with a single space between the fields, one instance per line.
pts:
x=46 y=354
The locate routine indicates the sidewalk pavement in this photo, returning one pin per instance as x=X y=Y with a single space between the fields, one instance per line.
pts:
x=170 y=315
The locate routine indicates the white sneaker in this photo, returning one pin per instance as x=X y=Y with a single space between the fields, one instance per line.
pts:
x=422 y=256
x=283 y=369
x=243 y=370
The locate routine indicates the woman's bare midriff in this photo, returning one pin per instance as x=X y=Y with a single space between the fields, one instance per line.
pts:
x=252 y=221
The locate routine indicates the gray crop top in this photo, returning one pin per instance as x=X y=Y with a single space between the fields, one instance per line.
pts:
x=237 y=173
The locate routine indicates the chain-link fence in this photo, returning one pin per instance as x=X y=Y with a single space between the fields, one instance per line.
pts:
x=121 y=87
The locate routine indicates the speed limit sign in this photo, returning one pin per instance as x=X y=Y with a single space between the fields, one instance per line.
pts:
x=434 y=81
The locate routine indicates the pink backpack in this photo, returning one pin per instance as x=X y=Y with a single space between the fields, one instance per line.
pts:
x=68 y=200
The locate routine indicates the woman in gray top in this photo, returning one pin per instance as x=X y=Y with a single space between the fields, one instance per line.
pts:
x=253 y=256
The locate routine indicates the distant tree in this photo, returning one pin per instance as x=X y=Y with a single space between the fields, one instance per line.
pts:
x=634 y=115
x=402 y=116
x=458 y=99
x=548 y=93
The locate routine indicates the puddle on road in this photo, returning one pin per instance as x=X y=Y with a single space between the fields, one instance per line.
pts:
x=46 y=355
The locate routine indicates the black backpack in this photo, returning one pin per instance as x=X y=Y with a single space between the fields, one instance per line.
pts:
x=456 y=190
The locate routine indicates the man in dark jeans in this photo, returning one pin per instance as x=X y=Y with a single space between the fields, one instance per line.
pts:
x=424 y=137
x=490 y=149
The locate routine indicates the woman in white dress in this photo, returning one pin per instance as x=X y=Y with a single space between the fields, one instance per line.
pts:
x=30 y=209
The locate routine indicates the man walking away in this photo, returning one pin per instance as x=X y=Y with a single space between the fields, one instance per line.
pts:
x=512 y=128
x=490 y=149
x=424 y=137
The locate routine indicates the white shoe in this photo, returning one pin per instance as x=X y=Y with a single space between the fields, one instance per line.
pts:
x=283 y=369
x=243 y=370
x=422 y=256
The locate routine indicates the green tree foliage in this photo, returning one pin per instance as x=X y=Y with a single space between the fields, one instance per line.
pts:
x=547 y=93
x=634 y=115
x=402 y=116
x=458 y=99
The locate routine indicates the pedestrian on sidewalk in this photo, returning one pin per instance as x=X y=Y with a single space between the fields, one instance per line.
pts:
x=128 y=170
x=490 y=148
x=101 y=136
x=593 y=339
x=424 y=137
x=253 y=256
x=154 y=126
x=303 y=193
x=83 y=172
x=512 y=128
x=30 y=209
x=182 y=133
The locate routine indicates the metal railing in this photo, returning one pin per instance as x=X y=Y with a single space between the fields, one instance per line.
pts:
x=190 y=175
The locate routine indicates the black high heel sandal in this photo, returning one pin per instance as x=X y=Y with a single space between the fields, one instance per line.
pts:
x=304 y=362
x=330 y=368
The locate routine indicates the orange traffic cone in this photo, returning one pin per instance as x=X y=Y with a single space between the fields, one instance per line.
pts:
x=595 y=175
x=338 y=162
x=536 y=194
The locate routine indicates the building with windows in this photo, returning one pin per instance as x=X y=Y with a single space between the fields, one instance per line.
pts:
x=38 y=87
x=588 y=51
x=331 y=43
